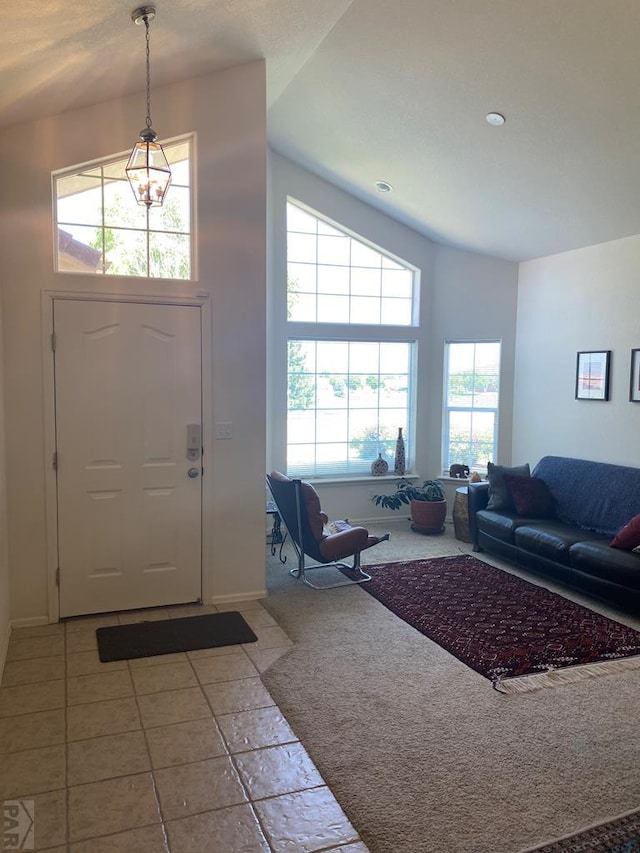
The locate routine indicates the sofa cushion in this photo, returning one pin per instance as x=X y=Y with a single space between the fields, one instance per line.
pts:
x=530 y=496
x=629 y=537
x=501 y=525
x=596 y=558
x=596 y=496
x=550 y=539
x=499 y=495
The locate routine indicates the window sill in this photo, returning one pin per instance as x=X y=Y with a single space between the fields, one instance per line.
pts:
x=360 y=478
x=463 y=480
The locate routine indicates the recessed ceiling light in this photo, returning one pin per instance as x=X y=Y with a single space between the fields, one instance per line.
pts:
x=495 y=119
x=383 y=187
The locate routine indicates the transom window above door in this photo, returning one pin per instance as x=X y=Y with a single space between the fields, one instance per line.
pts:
x=99 y=227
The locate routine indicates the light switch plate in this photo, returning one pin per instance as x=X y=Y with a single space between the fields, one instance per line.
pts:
x=223 y=430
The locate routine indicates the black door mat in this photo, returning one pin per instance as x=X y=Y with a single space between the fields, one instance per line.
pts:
x=147 y=639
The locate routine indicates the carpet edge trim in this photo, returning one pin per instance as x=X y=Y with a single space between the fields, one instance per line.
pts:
x=574 y=836
x=564 y=675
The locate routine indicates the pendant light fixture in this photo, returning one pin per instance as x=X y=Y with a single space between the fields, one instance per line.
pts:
x=148 y=170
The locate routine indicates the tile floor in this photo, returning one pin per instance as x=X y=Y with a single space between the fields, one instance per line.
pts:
x=182 y=753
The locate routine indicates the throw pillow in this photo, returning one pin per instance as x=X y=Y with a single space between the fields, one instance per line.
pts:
x=628 y=537
x=338 y=526
x=499 y=496
x=531 y=496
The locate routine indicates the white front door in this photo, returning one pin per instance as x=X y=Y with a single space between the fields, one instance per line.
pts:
x=128 y=401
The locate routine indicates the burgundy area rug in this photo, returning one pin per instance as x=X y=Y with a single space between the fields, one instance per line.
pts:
x=518 y=635
x=621 y=835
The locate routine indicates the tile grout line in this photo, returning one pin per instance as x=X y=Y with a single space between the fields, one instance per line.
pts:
x=233 y=758
x=234 y=764
x=200 y=686
x=122 y=776
x=156 y=792
x=297 y=740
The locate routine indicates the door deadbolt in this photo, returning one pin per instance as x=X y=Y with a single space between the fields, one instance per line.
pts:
x=192 y=473
x=194 y=441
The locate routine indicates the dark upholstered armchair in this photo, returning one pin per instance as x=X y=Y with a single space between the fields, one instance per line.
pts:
x=312 y=535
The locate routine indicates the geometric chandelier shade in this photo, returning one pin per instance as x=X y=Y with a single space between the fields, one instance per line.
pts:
x=147 y=169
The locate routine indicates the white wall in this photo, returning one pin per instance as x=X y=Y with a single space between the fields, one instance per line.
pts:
x=5 y=629
x=227 y=111
x=475 y=298
x=463 y=295
x=581 y=300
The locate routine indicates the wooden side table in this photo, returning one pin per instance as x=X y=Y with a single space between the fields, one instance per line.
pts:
x=461 y=514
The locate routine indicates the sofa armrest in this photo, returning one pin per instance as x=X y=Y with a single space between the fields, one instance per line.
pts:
x=478 y=496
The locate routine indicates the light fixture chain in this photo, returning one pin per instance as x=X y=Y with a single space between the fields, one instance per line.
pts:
x=147 y=169
x=146 y=23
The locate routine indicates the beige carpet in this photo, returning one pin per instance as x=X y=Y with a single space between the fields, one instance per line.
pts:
x=423 y=755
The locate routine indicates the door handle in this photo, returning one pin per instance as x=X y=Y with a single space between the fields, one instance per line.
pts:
x=192 y=473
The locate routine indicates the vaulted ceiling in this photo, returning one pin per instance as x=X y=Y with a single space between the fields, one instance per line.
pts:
x=368 y=90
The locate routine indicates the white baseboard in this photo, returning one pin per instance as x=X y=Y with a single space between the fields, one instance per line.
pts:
x=29 y=621
x=245 y=596
x=379 y=519
x=386 y=519
x=4 y=648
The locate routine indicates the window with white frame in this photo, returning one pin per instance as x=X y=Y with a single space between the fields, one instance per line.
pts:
x=351 y=354
x=471 y=395
x=101 y=229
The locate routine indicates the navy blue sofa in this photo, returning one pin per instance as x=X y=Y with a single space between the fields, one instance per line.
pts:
x=593 y=501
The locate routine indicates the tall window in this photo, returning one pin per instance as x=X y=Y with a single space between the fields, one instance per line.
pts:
x=472 y=377
x=101 y=229
x=350 y=352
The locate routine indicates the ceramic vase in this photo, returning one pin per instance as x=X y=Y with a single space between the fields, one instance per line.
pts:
x=400 y=462
x=379 y=466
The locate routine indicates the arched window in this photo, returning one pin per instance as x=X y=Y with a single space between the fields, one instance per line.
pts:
x=351 y=349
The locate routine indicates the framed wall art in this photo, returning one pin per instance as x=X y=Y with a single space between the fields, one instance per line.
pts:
x=592 y=375
x=634 y=381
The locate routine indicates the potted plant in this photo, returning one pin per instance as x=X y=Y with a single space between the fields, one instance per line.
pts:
x=427 y=503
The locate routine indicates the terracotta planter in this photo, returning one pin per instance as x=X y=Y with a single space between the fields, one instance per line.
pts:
x=428 y=516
